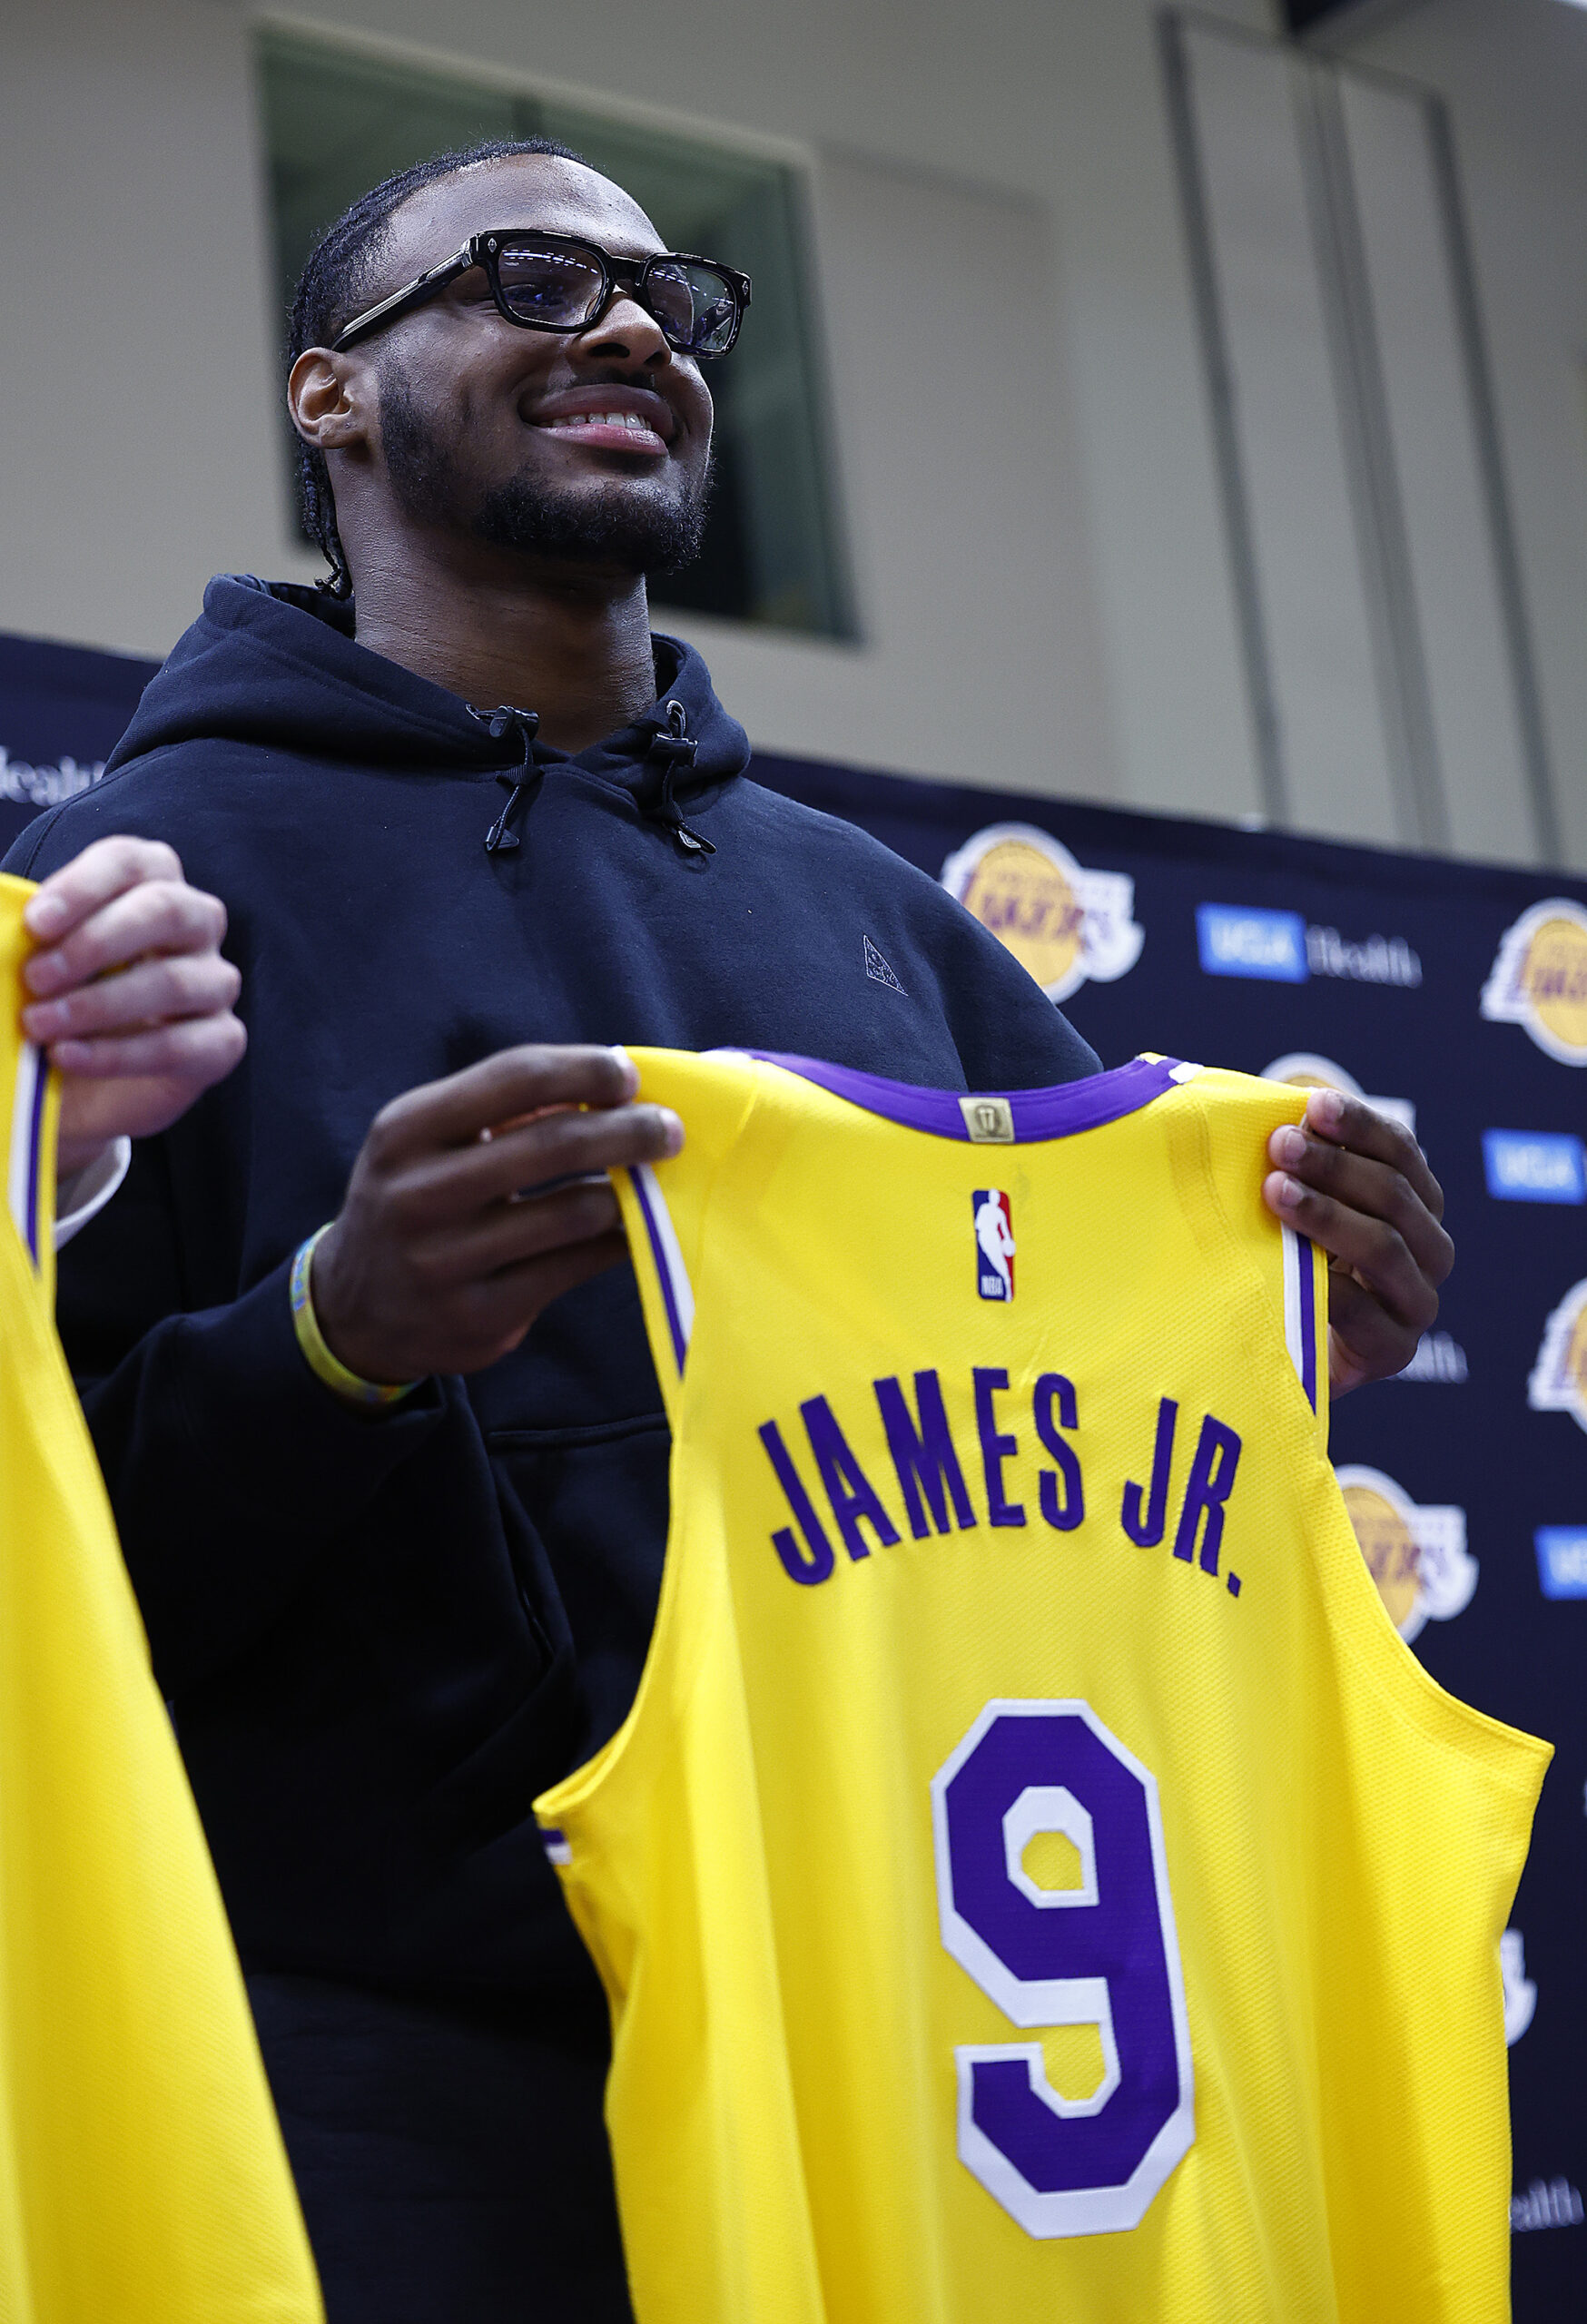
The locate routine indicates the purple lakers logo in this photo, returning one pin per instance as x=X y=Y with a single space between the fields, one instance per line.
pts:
x=994 y=1244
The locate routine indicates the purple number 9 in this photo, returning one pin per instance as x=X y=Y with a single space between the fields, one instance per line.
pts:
x=1102 y=1954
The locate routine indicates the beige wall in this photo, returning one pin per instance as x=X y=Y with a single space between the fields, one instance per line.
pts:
x=1032 y=511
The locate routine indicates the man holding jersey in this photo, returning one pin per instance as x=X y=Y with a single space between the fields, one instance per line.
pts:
x=373 y=1399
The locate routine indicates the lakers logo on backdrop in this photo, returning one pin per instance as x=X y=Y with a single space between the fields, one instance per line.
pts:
x=1558 y=1377
x=1059 y=921
x=1306 y=1071
x=1539 y=978
x=1417 y=1556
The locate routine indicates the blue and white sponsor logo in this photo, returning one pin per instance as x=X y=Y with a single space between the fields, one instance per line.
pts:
x=44 y=786
x=1243 y=940
x=1237 y=942
x=1551 y=2202
x=1562 y=1560
x=1534 y=1165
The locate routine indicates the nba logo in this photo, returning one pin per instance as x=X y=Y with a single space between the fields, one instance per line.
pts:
x=994 y=1239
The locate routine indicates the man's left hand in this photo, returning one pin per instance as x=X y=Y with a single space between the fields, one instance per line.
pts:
x=1358 y=1185
x=132 y=998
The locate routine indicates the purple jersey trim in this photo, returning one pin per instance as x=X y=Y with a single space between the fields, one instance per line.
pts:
x=35 y=1140
x=680 y=1344
x=1309 y=1322
x=1057 y=1112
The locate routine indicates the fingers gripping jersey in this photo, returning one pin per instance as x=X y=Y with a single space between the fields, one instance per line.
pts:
x=141 y=2174
x=1034 y=1879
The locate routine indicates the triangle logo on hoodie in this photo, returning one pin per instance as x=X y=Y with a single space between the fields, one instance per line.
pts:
x=878 y=970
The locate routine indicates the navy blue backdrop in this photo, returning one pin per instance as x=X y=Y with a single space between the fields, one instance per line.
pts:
x=1455 y=994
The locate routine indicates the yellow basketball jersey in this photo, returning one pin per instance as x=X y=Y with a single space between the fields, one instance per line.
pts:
x=141 y=2174
x=1034 y=1881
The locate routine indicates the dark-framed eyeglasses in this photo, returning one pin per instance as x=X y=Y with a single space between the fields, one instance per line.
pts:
x=560 y=283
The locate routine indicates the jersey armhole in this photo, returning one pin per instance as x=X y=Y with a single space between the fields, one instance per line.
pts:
x=665 y=1209
x=1357 y=1615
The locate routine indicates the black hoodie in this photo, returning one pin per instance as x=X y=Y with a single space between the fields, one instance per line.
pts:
x=381 y=1638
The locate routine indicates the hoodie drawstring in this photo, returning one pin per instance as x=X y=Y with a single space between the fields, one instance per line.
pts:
x=524 y=779
x=671 y=750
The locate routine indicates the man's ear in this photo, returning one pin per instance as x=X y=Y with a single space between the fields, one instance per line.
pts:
x=327 y=398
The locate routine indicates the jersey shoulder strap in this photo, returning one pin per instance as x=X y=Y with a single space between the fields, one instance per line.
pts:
x=664 y=1205
x=1220 y=1126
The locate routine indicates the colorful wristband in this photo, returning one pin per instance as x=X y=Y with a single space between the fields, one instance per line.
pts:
x=326 y=1367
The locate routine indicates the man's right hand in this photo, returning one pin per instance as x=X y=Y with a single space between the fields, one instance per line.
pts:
x=444 y=1252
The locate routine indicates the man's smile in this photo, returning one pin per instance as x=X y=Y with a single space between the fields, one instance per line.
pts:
x=608 y=420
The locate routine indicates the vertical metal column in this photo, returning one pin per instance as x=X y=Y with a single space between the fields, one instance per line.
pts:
x=1420 y=810
x=1267 y=731
x=1491 y=464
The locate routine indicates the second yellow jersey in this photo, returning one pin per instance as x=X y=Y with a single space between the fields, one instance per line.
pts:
x=1034 y=1880
x=142 y=2178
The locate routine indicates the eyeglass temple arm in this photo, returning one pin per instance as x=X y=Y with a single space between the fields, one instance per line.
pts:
x=408 y=296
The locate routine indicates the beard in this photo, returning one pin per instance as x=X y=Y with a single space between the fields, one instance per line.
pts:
x=635 y=532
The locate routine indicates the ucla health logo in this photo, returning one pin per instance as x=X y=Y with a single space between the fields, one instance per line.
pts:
x=1558 y=1377
x=1539 y=978
x=1060 y=921
x=1417 y=1557
x=994 y=1243
x=1306 y=1071
x=1241 y=941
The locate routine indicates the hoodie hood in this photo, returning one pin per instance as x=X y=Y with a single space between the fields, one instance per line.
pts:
x=276 y=665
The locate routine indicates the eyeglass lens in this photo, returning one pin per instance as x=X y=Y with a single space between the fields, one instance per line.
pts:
x=693 y=304
x=561 y=289
x=549 y=286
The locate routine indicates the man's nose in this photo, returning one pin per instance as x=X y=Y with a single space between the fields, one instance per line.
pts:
x=626 y=332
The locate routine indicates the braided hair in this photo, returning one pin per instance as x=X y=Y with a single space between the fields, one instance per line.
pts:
x=331 y=289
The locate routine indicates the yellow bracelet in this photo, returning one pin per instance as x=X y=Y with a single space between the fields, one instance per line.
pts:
x=325 y=1366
